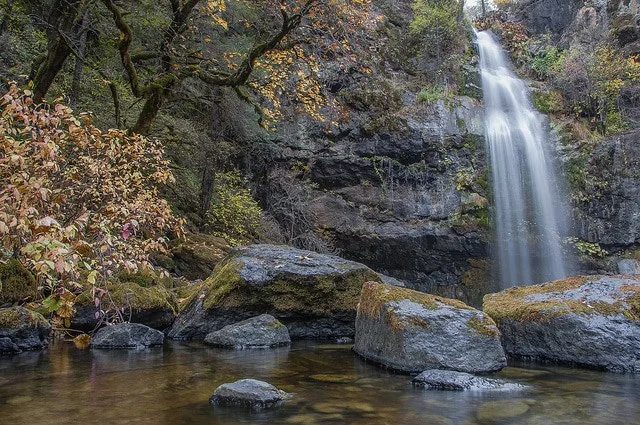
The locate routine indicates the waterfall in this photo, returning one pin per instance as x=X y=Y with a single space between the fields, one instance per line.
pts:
x=529 y=219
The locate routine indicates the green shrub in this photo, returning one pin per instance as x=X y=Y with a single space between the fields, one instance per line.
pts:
x=547 y=102
x=432 y=94
x=234 y=214
x=546 y=61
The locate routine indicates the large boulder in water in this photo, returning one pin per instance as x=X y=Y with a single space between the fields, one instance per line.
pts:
x=314 y=295
x=262 y=331
x=410 y=331
x=22 y=330
x=593 y=321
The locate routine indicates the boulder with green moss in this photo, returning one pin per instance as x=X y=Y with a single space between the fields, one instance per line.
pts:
x=591 y=321
x=153 y=306
x=411 y=331
x=22 y=330
x=16 y=282
x=314 y=295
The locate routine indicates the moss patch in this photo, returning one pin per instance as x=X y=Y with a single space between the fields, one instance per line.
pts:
x=484 y=326
x=225 y=277
x=139 y=298
x=376 y=295
x=512 y=304
x=145 y=278
x=16 y=283
x=16 y=316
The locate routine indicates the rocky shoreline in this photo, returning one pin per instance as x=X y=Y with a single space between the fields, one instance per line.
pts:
x=266 y=295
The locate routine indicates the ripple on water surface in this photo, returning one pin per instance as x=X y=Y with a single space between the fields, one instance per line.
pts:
x=331 y=385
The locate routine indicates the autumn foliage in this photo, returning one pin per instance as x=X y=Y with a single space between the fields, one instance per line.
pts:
x=76 y=203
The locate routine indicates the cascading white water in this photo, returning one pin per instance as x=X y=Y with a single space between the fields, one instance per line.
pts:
x=528 y=212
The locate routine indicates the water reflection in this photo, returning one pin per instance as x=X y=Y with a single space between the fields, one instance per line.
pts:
x=331 y=385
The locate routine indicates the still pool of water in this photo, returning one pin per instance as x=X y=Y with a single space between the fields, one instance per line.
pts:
x=172 y=385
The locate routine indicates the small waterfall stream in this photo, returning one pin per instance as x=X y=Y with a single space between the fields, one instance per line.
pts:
x=528 y=213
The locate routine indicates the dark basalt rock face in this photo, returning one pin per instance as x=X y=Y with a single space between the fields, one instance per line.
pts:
x=387 y=183
x=410 y=331
x=410 y=203
x=22 y=330
x=591 y=321
x=261 y=331
x=127 y=335
x=314 y=295
x=553 y=16
x=248 y=393
x=611 y=216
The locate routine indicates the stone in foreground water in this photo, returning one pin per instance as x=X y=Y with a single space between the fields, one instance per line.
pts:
x=450 y=380
x=248 y=393
x=260 y=331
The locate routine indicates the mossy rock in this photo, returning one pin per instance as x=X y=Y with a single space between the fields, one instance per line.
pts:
x=592 y=321
x=21 y=330
x=17 y=284
x=154 y=306
x=314 y=295
x=195 y=257
x=411 y=331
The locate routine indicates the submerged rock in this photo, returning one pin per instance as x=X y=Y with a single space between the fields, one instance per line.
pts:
x=314 y=295
x=249 y=393
x=593 y=321
x=261 y=331
x=127 y=335
x=152 y=306
x=411 y=331
x=501 y=410
x=459 y=381
x=22 y=330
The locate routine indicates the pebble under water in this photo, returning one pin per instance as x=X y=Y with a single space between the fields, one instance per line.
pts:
x=331 y=385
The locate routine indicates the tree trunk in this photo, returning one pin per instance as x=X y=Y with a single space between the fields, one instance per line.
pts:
x=158 y=91
x=62 y=20
x=82 y=48
x=208 y=184
x=210 y=159
x=49 y=69
x=484 y=7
